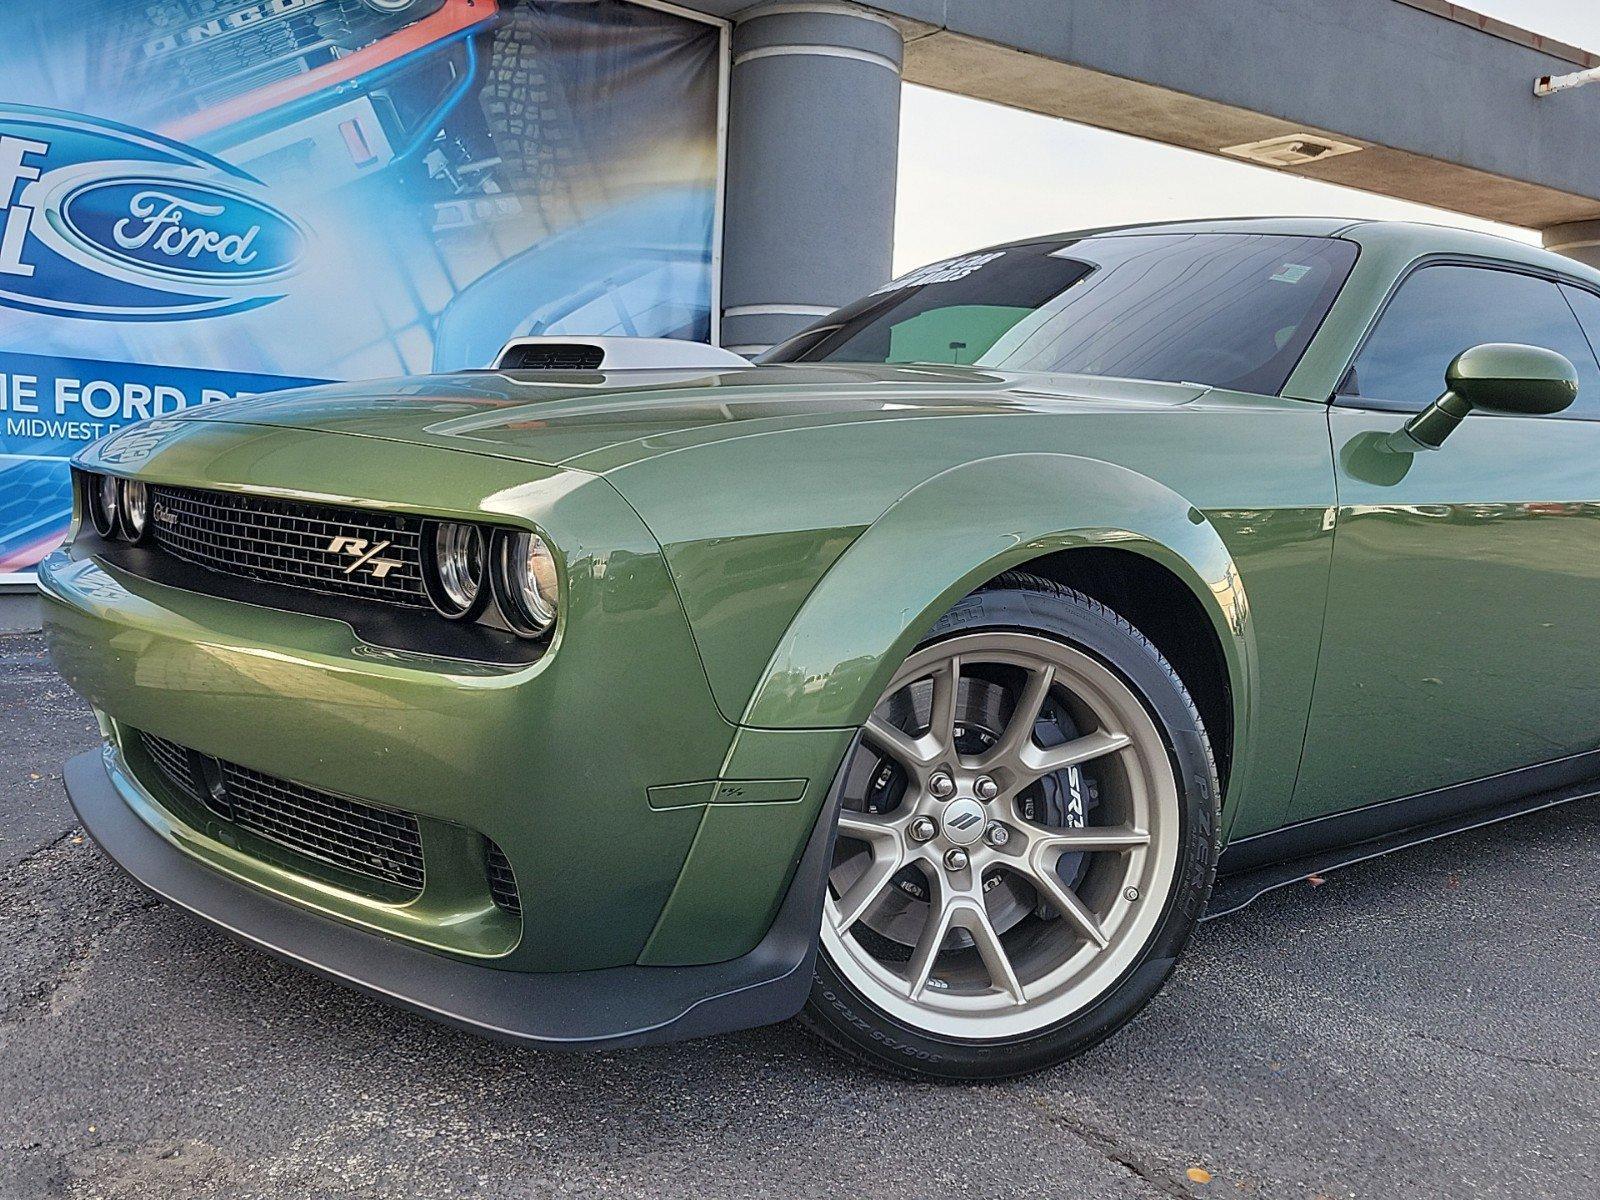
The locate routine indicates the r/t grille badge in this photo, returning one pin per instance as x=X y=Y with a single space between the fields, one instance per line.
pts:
x=365 y=553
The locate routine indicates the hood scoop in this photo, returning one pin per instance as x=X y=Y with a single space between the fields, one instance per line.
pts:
x=612 y=354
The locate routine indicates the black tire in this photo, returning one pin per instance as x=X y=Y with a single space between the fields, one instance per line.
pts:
x=841 y=1015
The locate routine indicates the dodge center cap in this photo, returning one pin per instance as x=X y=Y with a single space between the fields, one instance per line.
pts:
x=964 y=821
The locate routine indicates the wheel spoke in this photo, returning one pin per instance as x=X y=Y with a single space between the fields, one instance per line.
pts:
x=995 y=959
x=1035 y=761
x=1066 y=902
x=867 y=827
x=917 y=754
x=1089 y=838
x=942 y=711
x=861 y=894
x=1018 y=734
x=920 y=969
x=896 y=743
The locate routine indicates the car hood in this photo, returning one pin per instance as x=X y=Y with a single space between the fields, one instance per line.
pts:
x=600 y=421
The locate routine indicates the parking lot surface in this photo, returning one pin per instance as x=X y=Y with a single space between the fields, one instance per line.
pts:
x=1424 y=1025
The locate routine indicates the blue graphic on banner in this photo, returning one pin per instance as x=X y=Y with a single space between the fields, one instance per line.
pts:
x=260 y=193
x=113 y=224
x=57 y=406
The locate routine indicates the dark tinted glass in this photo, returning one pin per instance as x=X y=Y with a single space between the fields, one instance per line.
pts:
x=1441 y=311
x=1587 y=307
x=1228 y=310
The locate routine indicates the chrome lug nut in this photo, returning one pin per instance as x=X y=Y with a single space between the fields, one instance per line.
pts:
x=1130 y=893
x=956 y=859
x=942 y=785
x=997 y=834
x=985 y=788
x=923 y=829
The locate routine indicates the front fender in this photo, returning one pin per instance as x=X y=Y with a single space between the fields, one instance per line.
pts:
x=961 y=528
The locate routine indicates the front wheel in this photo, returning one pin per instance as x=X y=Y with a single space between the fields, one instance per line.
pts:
x=1026 y=838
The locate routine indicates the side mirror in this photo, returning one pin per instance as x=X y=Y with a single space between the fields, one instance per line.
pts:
x=1496 y=377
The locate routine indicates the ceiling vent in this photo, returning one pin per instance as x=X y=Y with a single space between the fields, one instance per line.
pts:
x=1293 y=150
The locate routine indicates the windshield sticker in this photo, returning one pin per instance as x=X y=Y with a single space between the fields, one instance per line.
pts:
x=1291 y=273
x=948 y=271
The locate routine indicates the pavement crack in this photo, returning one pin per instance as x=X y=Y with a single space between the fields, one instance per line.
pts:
x=54 y=843
x=1107 y=1147
x=57 y=908
x=1525 y=1060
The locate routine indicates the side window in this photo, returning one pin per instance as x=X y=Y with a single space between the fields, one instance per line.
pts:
x=1441 y=311
x=1587 y=306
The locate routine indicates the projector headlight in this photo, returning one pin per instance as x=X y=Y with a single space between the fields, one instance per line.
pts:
x=525 y=581
x=135 y=517
x=104 y=504
x=455 y=568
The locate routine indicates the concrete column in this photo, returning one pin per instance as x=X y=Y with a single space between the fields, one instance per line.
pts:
x=813 y=138
x=1576 y=239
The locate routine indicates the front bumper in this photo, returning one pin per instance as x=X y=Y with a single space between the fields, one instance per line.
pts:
x=643 y=828
x=619 y=1006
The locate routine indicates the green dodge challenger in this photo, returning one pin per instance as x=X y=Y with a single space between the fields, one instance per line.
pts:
x=927 y=679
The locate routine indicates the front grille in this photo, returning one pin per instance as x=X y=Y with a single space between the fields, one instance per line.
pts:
x=377 y=842
x=318 y=547
x=380 y=844
x=502 y=882
x=174 y=762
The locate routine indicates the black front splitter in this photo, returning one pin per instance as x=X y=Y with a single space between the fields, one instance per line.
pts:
x=602 y=1009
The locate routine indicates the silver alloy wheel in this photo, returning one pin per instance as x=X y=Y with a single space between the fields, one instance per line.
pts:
x=937 y=954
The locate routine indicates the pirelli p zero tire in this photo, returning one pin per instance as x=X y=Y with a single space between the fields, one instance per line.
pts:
x=1027 y=835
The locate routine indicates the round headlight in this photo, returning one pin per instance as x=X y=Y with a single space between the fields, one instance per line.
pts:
x=390 y=6
x=455 y=568
x=525 y=581
x=103 y=504
x=135 y=509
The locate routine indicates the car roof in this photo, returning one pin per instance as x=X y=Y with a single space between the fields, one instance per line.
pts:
x=1418 y=237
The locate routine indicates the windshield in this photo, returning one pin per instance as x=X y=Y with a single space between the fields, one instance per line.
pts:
x=1229 y=310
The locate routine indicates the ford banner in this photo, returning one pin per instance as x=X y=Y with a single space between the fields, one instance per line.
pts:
x=201 y=199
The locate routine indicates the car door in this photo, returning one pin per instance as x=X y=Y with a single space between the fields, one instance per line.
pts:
x=1459 y=640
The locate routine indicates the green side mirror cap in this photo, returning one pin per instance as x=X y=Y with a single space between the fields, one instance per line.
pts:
x=1501 y=377
x=1509 y=378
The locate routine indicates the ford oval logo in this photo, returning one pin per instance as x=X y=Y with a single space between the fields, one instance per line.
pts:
x=102 y=221
x=192 y=230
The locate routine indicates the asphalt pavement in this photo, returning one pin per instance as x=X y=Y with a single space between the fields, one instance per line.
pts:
x=1424 y=1025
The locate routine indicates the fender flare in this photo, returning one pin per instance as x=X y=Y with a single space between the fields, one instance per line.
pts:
x=957 y=530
